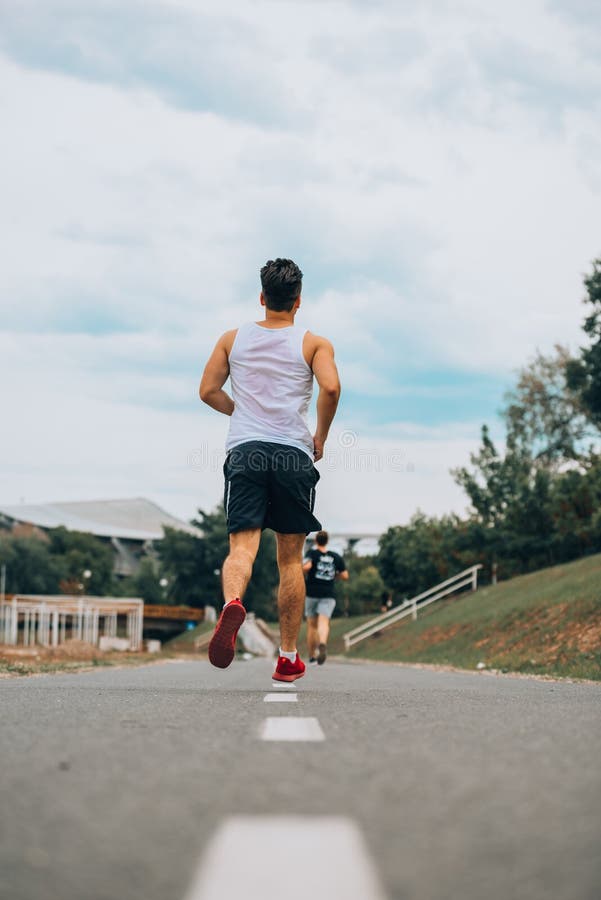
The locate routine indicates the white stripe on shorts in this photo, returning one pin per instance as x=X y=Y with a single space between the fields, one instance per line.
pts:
x=227 y=497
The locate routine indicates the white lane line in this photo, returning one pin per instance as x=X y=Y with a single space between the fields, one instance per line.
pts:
x=255 y=857
x=291 y=728
x=280 y=698
x=286 y=685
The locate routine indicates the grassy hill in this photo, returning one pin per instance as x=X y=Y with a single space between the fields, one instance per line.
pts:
x=545 y=622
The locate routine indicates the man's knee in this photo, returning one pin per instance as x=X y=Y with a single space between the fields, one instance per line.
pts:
x=242 y=555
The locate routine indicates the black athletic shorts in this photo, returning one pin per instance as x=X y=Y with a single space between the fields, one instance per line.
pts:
x=270 y=486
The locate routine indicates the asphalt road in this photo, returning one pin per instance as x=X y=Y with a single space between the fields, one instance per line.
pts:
x=462 y=786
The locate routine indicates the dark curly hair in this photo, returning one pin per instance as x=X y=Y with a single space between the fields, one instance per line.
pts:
x=281 y=281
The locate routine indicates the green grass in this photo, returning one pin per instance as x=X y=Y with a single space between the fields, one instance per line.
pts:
x=547 y=622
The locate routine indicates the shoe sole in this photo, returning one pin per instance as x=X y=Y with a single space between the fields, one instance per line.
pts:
x=222 y=648
x=323 y=653
x=277 y=677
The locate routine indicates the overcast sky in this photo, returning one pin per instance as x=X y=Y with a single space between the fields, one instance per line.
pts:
x=434 y=168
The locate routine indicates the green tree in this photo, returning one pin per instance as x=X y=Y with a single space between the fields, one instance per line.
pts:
x=495 y=480
x=75 y=552
x=576 y=510
x=360 y=594
x=183 y=559
x=544 y=416
x=526 y=535
x=30 y=568
x=146 y=582
x=510 y=498
x=414 y=557
x=365 y=590
x=525 y=516
x=584 y=374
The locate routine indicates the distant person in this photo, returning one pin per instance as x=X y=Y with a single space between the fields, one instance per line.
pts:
x=269 y=470
x=322 y=567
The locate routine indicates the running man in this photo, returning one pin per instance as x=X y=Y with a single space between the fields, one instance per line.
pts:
x=323 y=567
x=269 y=470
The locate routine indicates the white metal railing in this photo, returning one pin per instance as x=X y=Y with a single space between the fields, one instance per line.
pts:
x=45 y=619
x=467 y=578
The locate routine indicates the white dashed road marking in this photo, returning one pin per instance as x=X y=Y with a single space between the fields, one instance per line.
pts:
x=280 y=698
x=256 y=857
x=291 y=728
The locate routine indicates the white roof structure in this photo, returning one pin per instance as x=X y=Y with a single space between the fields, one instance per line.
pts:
x=131 y=519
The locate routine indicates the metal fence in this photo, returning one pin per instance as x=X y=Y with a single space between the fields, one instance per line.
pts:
x=467 y=578
x=50 y=621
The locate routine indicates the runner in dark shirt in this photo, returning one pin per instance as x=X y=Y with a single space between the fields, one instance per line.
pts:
x=322 y=568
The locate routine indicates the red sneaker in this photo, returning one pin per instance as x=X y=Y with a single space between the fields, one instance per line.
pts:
x=222 y=648
x=289 y=671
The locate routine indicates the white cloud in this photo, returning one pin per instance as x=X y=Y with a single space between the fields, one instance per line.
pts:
x=433 y=167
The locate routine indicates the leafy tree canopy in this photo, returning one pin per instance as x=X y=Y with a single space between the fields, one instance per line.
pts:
x=30 y=567
x=584 y=374
x=75 y=552
x=545 y=417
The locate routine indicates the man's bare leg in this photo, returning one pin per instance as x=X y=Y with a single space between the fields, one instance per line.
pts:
x=323 y=629
x=236 y=572
x=291 y=593
x=323 y=632
x=238 y=565
x=312 y=636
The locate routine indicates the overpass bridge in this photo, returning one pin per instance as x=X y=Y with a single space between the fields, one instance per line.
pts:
x=162 y=622
x=364 y=543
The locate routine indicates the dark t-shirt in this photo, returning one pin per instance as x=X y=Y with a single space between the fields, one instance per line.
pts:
x=322 y=574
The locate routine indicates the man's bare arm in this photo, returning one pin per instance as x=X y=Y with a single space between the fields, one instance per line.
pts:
x=343 y=576
x=326 y=373
x=215 y=375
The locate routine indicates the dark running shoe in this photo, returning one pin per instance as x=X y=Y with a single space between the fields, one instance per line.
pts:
x=222 y=648
x=322 y=653
x=289 y=671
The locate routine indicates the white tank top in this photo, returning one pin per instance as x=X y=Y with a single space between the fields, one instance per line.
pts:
x=272 y=386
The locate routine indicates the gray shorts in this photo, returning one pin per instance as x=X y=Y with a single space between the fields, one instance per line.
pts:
x=319 y=606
